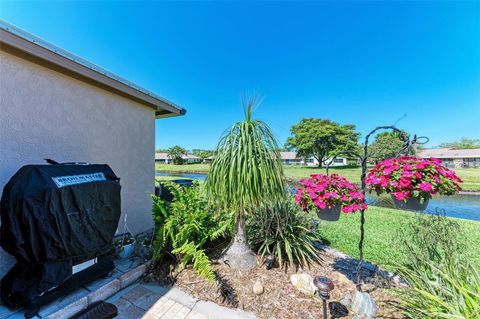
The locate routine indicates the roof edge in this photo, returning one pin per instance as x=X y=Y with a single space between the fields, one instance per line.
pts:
x=31 y=45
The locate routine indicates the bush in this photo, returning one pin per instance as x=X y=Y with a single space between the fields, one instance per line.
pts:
x=282 y=230
x=185 y=227
x=442 y=283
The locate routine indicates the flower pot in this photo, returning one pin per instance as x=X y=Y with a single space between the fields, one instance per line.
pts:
x=146 y=250
x=410 y=204
x=126 y=251
x=331 y=214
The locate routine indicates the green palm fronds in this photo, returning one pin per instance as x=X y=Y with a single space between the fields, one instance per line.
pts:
x=247 y=168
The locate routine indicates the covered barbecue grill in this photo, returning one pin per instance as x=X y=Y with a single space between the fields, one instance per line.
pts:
x=58 y=221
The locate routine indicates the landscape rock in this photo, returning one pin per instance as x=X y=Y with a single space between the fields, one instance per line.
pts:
x=339 y=278
x=364 y=305
x=346 y=300
x=337 y=310
x=258 y=288
x=304 y=283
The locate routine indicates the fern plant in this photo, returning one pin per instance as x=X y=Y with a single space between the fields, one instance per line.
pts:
x=185 y=226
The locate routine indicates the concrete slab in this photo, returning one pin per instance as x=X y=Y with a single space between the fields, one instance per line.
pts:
x=126 y=310
x=161 y=307
x=175 y=312
x=142 y=297
x=5 y=312
x=214 y=311
x=16 y=315
x=152 y=313
x=195 y=315
x=69 y=309
x=160 y=302
x=181 y=297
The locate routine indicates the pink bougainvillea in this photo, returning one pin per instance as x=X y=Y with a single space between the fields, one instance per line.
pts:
x=322 y=191
x=409 y=176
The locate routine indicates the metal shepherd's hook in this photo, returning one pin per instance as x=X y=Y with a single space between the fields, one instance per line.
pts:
x=407 y=149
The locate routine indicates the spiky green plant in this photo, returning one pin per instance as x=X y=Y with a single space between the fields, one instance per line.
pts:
x=444 y=291
x=246 y=171
x=443 y=284
x=280 y=229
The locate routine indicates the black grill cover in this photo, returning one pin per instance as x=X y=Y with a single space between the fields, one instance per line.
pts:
x=57 y=216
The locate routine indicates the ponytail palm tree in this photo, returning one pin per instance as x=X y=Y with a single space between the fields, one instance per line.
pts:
x=245 y=172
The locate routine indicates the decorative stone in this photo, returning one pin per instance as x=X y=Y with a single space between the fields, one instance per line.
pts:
x=337 y=310
x=364 y=305
x=340 y=279
x=258 y=288
x=304 y=283
x=346 y=300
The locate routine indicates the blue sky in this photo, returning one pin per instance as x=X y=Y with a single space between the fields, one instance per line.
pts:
x=362 y=63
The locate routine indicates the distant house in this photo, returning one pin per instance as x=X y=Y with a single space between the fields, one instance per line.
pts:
x=291 y=158
x=454 y=158
x=163 y=158
x=191 y=159
x=208 y=159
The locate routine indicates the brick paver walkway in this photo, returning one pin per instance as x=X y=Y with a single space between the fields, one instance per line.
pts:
x=146 y=301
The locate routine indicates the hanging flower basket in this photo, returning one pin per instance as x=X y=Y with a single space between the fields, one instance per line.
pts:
x=331 y=214
x=412 y=181
x=329 y=195
x=410 y=203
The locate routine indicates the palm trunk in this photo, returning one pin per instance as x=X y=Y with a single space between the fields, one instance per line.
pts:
x=238 y=254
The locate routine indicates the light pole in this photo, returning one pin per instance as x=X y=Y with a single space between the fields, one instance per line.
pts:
x=325 y=286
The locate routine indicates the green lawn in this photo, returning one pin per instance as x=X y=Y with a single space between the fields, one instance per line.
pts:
x=187 y=168
x=169 y=178
x=470 y=176
x=381 y=227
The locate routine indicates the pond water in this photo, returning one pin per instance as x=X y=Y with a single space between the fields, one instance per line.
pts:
x=197 y=176
x=459 y=206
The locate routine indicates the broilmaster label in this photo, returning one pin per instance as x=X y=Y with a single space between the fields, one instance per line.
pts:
x=62 y=181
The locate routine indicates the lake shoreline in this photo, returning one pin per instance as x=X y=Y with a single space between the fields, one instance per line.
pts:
x=289 y=180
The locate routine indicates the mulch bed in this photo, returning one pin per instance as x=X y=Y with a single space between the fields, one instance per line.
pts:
x=280 y=300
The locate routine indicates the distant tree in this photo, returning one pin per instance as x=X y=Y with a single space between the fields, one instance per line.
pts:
x=322 y=138
x=161 y=150
x=203 y=154
x=464 y=143
x=176 y=153
x=386 y=145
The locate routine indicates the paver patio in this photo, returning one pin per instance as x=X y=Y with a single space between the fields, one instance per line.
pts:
x=148 y=301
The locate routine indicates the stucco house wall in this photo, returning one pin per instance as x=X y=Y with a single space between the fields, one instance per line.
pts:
x=47 y=114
